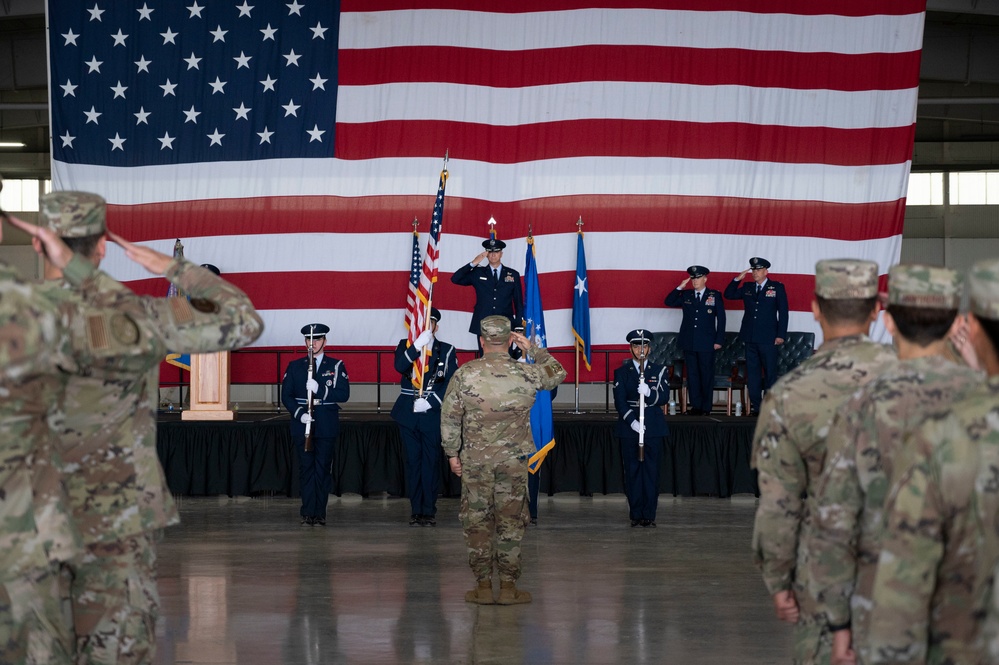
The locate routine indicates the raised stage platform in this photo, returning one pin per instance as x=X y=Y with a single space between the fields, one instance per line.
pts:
x=705 y=456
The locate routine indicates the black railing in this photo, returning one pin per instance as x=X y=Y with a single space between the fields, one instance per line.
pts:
x=258 y=374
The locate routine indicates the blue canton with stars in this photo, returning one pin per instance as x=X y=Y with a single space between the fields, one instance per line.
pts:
x=180 y=81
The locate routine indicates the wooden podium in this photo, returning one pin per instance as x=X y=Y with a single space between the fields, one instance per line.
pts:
x=209 y=388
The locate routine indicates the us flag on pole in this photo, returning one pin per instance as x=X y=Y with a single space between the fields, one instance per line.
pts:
x=289 y=141
x=428 y=280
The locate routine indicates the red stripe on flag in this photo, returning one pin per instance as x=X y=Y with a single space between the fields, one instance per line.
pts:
x=381 y=290
x=813 y=8
x=392 y=214
x=626 y=138
x=650 y=64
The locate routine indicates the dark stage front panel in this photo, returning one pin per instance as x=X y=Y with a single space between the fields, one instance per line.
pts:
x=245 y=458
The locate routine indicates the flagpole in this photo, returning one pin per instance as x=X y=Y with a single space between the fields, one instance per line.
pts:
x=576 y=411
x=424 y=354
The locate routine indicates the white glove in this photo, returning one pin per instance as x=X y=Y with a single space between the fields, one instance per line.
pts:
x=426 y=337
x=643 y=389
x=421 y=405
x=637 y=426
x=312 y=386
x=306 y=418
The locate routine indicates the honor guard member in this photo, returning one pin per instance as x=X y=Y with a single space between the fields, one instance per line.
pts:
x=764 y=326
x=934 y=579
x=789 y=445
x=419 y=418
x=639 y=377
x=486 y=431
x=702 y=332
x=117 y=489
x=43 y=341
x=867 y=436
x=329 y=386
x=498 y=290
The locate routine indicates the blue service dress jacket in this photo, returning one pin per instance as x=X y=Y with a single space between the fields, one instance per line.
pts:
x=334 y=387
x=503 y=297
x=765 y=316
x=703 y=323
x=440 y=367
x=627 y=403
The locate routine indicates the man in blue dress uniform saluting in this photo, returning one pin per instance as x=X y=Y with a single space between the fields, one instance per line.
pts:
x=764 y=326
x=702 y=332
x=498 y=290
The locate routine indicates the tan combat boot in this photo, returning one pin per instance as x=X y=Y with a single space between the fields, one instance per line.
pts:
x=510 y=595
x=482 y=594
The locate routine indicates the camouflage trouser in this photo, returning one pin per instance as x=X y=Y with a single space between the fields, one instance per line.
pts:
x=494 y=514
x=33 y=627
x=812 y=642
x=115 y=602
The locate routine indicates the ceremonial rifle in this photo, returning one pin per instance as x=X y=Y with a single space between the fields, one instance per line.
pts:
x=309 y=394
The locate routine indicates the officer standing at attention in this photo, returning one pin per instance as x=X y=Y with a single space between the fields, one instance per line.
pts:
x=328 y=387
x=498 y=290
x=419 y=418
x=637 y=377
x=486 y=431
x=702 y=332
x=789 y=444
x=764 y=326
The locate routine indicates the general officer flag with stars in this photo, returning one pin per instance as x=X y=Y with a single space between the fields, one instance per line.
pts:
x=542 y=424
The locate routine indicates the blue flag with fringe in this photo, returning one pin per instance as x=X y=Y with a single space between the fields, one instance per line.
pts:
x=581 y=303
x=542 y=423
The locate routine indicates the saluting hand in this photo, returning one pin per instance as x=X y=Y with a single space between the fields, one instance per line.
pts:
x=147 y=257
x=521 y=341
x=55 y=249
x=478 y=259
x=742 y=275
x=684 y=283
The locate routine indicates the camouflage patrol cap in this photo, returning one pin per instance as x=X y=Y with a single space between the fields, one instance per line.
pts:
x=73 y=214
x=928 y=287
x=983 y=287
x=495 y=327
x=846 y=279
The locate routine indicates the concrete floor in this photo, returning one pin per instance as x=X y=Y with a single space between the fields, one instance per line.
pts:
x=242 y=582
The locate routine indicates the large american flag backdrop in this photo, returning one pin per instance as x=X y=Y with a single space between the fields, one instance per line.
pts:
x=292 y=143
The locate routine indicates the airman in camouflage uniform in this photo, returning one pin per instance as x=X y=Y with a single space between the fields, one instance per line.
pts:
x=865 y=438
x=117 y=490
x=488 y=405
x=40 y=341
x=789 y=442
x=934 y=574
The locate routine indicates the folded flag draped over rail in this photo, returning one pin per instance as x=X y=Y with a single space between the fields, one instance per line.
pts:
x=295 y=138
x=542 y=423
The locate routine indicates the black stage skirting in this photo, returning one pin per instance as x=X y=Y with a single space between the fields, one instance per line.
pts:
x=703 y=457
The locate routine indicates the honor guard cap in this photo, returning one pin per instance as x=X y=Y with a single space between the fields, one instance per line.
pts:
x=212 y=268
x=494 y=245
x=495 y=327
x=846 y=279
x=698 y=271
x=923 y=286
x=435 y=314
x=73 y=214
x=640 y=336
x=757 y=262
x=318 y=330
x=983 y=285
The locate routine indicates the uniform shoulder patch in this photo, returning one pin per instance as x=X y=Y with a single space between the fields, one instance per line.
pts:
x=204 y=305
x=550 y=370
x=124 y=329
x=180 y=308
